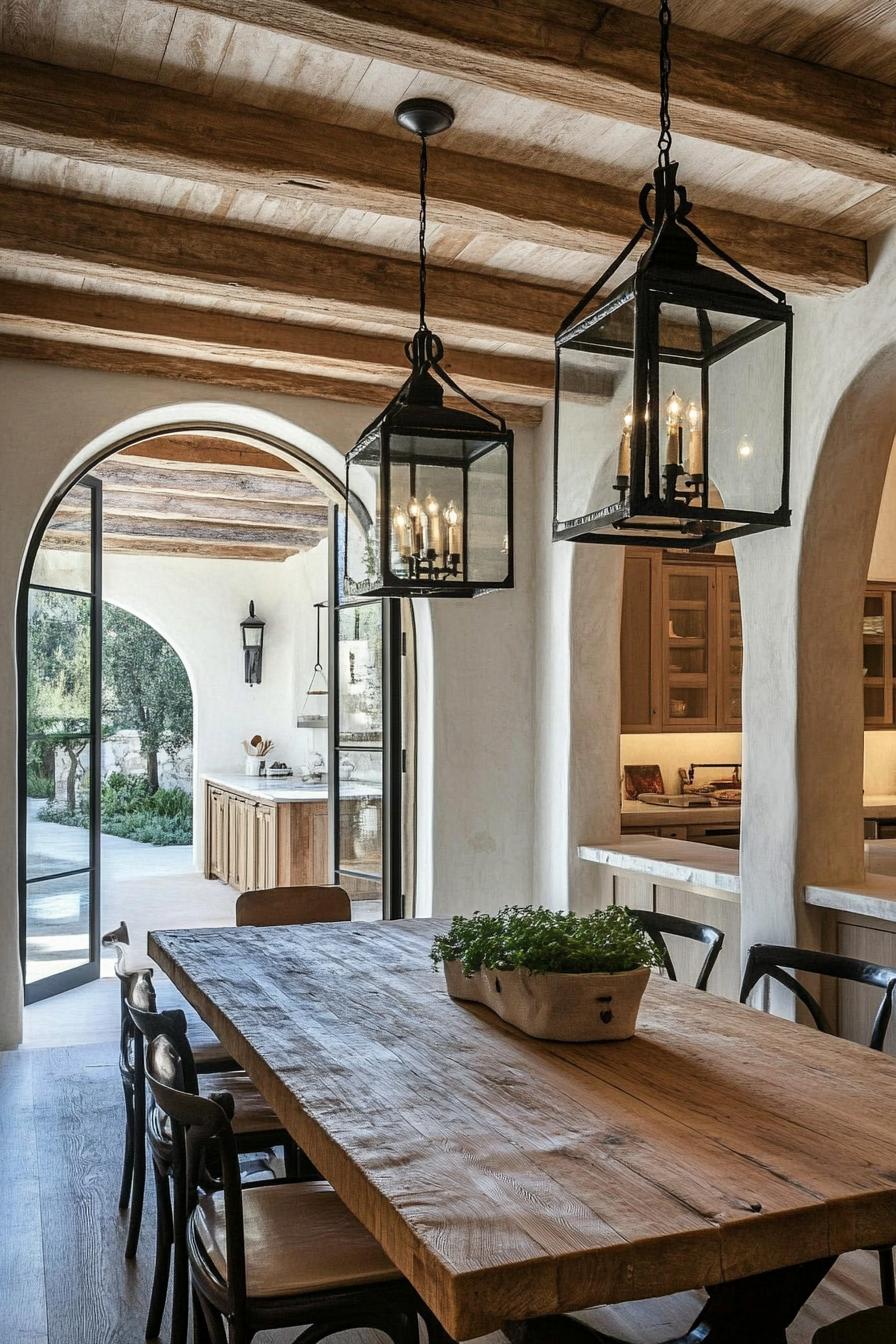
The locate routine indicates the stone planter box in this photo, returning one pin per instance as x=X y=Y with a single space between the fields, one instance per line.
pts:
x=595 y=1006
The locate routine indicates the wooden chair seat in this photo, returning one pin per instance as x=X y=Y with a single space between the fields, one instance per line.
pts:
x=251 y=1113
x=877 y=1326
x=208 y=1052
x=299 y=1239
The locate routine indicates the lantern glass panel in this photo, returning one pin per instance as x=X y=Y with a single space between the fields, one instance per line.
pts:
x=252 y=636
x=746 y=399
x=449 y=507
x=594 y=377
x=362 y=539
x=488 y=517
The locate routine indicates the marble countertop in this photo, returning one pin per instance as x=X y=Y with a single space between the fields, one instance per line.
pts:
x=881 y=805
x=288 y=790
x=635 y=813
x=685 y=863
x=874 y=896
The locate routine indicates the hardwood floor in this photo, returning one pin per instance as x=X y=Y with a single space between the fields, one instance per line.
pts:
x=63 y=1277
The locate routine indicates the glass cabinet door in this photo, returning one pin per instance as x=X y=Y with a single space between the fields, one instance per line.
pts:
x=689 y=647
x=731 y=651
x=877 y=658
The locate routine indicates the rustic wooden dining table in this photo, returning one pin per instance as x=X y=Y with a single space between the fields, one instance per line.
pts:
x=514 y=1180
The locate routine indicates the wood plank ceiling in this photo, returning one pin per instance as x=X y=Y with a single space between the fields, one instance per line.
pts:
x=197 y=495
x=218 y=190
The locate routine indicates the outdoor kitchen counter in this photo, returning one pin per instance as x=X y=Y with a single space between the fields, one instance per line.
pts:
x=707 y=869
x=289 y=789
x=286 y=790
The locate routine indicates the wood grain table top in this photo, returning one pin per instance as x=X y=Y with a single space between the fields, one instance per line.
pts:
x=509 y=1178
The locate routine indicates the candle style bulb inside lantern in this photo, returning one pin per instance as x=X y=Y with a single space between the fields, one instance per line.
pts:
x=432 y=527
x=401 y=533
x=624 y=463
x=674 y=410
x=745 y=446
x=694 y=417
x=416 y=525
x=452 y=523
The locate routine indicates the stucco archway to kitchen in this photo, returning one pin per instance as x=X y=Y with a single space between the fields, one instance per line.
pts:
x=59 y=458
x=838 y=536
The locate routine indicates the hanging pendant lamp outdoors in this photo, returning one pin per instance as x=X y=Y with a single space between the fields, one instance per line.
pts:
x=429 y=487
x=672 y=395
x=314 y=708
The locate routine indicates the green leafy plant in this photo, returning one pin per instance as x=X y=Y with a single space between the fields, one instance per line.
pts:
x=131 y=810
x=544 y=940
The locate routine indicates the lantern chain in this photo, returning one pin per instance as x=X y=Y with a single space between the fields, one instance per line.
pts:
x=664 y=144
x=424 y=165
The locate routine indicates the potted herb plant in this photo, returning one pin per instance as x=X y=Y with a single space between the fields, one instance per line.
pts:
x=555 y=975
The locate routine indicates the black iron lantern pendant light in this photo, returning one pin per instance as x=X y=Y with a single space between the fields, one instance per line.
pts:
x=672 y=394
x=429 y=486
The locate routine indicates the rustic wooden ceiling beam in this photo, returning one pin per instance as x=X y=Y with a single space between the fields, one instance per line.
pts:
x=290 y=539
x=148 y=128
x=599 y=58
x=111 y=319
x=152 y=476
x=203 y=550
x=195 y=508
x=327 y=281
x=80 y=355
x=207 y=451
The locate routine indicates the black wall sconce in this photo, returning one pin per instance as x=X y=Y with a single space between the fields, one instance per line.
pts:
x=253 y=643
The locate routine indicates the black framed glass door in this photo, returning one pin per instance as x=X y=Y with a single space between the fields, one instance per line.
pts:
x=365 y=747
x=60 y=741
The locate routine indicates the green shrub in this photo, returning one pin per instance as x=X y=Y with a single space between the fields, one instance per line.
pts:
x=150 y=829
x=37 y=785
x=547 y=940
x=129 y=810
x=121 y=794
x=60 y=814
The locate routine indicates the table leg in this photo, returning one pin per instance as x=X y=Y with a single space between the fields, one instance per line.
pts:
x=756 y=1310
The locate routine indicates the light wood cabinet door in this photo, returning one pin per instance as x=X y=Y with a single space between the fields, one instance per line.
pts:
x=877 y=657
x=688 y=956
x=689 y=647
x=858 y=1004
x=265 y=846
x=215 y=834
x=639 y=647
x=731 y=651
x=237 y=840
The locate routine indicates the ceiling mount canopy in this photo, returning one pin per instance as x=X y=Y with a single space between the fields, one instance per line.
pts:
x=429 y=486
x=693 y=447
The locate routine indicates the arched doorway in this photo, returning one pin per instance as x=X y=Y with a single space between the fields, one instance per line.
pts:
x=838 y=537
x=319 y=463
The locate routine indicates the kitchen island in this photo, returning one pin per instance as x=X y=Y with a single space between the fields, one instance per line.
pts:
x=263 y=832
x=685 y=878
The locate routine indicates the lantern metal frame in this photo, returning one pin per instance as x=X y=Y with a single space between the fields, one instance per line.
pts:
x=669 y=273
x=418 y=411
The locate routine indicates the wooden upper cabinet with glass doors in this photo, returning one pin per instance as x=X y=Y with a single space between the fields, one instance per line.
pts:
x=682 y=646
x=878 y=686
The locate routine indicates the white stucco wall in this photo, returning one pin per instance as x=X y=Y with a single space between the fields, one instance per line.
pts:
x=480 y=837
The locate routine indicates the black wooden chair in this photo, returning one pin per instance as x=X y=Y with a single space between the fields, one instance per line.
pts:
x=266 y=1257
x=656 y=925
x=767 y=960
x=877 y=1326
x=257 y=1129
x=208 y=1054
